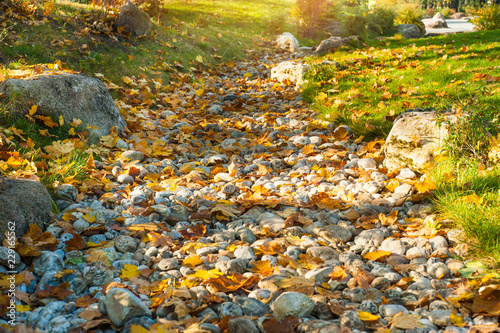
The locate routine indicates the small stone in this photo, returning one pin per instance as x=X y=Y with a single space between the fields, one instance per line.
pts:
x=58 y=324
x=318 y=326
x=367 y=163
x=373 y=237
x=125 y=244
x=351 y=320
x=9 y=257
x=168 y=264
x=438 y=242
x=244 y=252
x=324 y=253
x=209 y=327
x=271 y=221
x=97 y=273
x=121 y=144
x=125 y=179
x=369 y=306
x=416 y=252
x=48 y=261
x=335 y=234
x=319 y=275
x=242 y=325
x=233 y=266
x=390 y=310
x=229 y=309
x=132 y=155
x=406 y=173
x=66 y=192
x=292 y=304
x=438 y=270
x=122 y=305
x=381 y=283
x=403 y=189
x=440 y=317
x=251 y=306
x=393 y=245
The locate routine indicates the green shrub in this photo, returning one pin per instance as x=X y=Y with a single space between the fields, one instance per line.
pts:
x=487 y=18
x=381 y=20
x=410 y=13
x=445 y=11
x=355 y=24
x=310 y=16
x=469 y=10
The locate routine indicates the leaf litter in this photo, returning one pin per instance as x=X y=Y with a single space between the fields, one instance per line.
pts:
x=234 y=141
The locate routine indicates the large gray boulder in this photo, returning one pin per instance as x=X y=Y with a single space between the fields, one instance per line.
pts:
x=291 y=71
x=287 y=42
x=72 y=96
x=134 y=20
x=409 y=31
x=414 y=139
x=23 y=202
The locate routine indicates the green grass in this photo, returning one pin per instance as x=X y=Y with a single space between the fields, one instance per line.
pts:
x=217 y=30
x=478 y=219
x=373 y=84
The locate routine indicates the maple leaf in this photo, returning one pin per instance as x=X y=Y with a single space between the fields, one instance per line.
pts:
x=85 y=301
x=60 y=292
x=60 y=148
x=377 y=256
x=425 y=186
x=264 y=268
x=389 y=219
x=47 y=121
x=192 y=261
x=225 y=210
x=338 y=273
x=406 y=321
x=364 y=278
x=472 y=198
x=367 y=316
x=99 y=256
x=129 y=272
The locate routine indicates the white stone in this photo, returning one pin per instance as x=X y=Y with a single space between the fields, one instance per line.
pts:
x=291 y=71
x=400 y=147
x=287 y=42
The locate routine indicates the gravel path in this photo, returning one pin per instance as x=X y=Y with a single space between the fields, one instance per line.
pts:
x=261 y=214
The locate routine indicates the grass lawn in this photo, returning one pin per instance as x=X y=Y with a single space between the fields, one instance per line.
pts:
x=370 y=86
x=373 y=84
x=217 y=30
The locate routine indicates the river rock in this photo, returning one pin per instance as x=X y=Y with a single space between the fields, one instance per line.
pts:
x=24 y=202
x=134 y=20
x=292 y=304
x=400 y=150
x=72 y=96
x=122 y=305
x=287 y=42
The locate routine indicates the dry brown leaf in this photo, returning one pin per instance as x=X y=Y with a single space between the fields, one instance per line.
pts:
x=406 y=321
